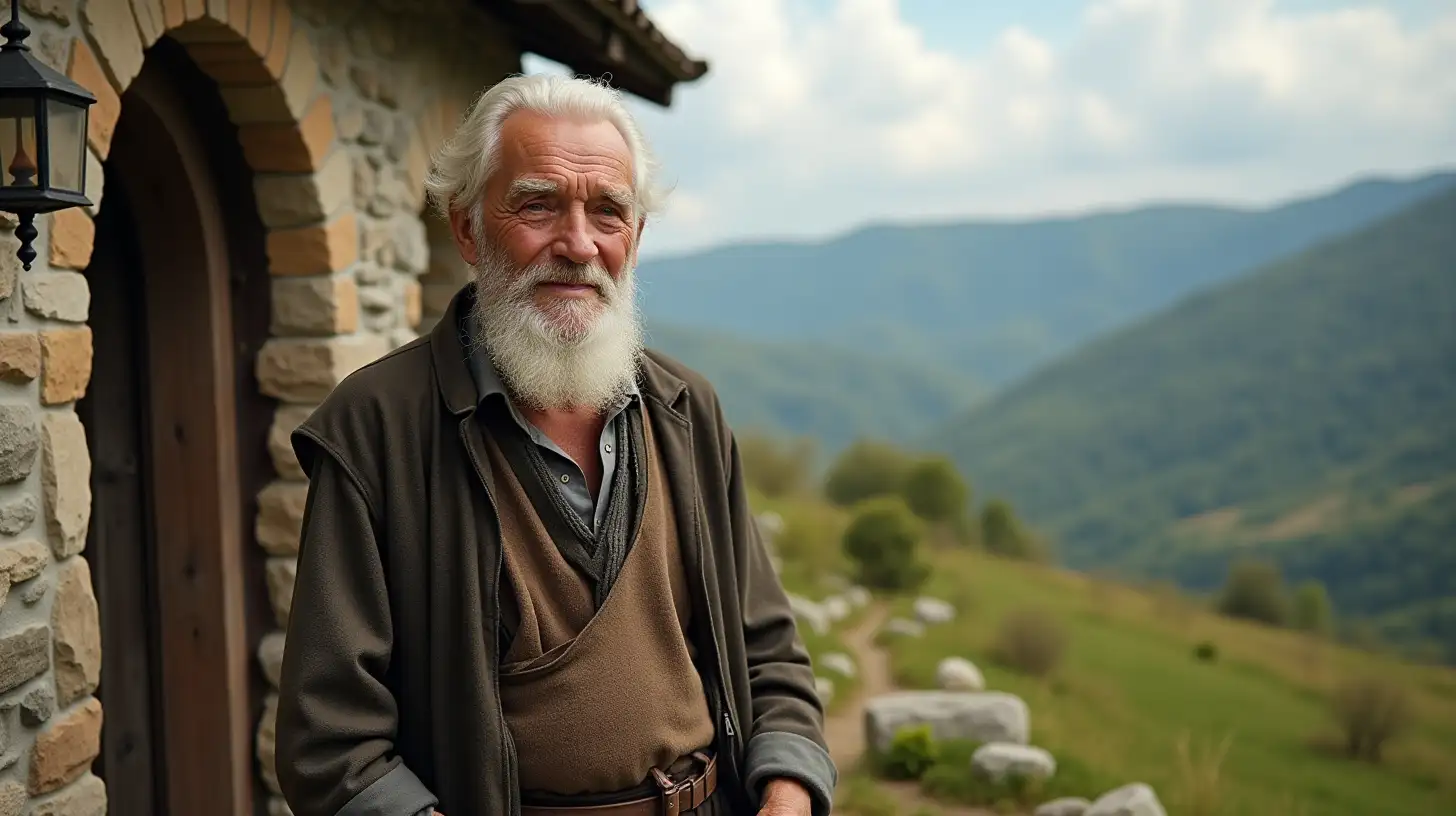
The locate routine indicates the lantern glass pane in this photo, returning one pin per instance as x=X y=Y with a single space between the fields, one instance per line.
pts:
x=18 y=156
x=66 y=124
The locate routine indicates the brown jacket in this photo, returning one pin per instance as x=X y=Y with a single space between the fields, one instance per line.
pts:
x=389 y=701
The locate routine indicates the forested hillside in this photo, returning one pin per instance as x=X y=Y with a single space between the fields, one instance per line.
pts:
x=1306 y=412
x=992 y=300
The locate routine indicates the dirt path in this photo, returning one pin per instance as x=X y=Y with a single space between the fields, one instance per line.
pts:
x=844 y=730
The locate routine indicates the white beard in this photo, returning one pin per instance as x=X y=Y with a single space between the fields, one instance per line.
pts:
x=579 y=354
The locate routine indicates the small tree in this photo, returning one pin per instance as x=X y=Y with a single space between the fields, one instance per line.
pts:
x=776 y=467
x=1312 y=609
x=935 y=490
x=864 y=470
x=1370 y=711
x=1002 y=533
x=1254 y=591
x=883 y=540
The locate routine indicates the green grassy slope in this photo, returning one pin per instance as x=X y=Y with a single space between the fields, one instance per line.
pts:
x=1307 y=411
x=802 y=389
x=1129 y=688
x=992 y=299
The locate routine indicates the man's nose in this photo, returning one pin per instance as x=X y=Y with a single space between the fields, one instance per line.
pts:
x=576 y=242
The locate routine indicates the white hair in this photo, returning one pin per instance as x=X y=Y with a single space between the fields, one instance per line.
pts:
x=465 y=162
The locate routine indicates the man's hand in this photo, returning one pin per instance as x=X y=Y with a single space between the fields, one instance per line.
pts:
x=786 y=797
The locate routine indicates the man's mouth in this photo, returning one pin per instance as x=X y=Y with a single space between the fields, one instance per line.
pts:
x=570 y=289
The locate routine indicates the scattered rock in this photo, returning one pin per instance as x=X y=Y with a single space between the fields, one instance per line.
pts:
x=999 y=760
x=858 y=596
x=959 y=674
x=986 y=716
x=810 y=612
x=1136 y=799
x=1070 y=806
x=904 y=627
x=836 y=608
x=933 y=610
x=770 y=524
x=824 y=687
x=839 y=663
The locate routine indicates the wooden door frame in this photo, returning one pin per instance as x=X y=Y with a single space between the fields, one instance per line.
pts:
x=203 y=251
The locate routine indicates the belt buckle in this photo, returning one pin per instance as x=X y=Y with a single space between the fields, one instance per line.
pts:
x=668 y=791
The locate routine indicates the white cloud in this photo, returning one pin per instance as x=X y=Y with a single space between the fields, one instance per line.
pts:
x=812 y=121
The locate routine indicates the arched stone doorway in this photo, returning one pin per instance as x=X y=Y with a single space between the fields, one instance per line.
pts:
x=177 y=433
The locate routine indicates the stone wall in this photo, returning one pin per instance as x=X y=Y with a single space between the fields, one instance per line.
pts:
x=339 y=106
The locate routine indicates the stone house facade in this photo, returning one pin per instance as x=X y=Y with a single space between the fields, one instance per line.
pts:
x=259 y=231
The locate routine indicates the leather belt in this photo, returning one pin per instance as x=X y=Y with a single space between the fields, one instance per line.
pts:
x=673 y=798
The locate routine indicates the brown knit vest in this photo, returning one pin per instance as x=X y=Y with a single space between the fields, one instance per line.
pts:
x=595 y=700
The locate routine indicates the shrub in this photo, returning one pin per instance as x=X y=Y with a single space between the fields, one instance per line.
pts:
x=1206 y=652
x=776 y=467
x=1254 y=591
x=883 y=540
x=864 y=470
x=1030 y=641
x=1002 y=533
x=1370 y=711
x=1312 y=609
x=912 y=752
x=1200 y=788
x=935 y=490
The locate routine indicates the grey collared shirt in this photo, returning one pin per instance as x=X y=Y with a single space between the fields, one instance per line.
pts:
x=566 y=474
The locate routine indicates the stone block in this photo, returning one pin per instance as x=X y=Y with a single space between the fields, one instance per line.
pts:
x=22 y=560
x=19 y=357
x=316 y=306
x=19 y=442
x=75 y=632
x=270 y=657
x=35 y=592
x=24 y=655
x=260 y=26
x=150 y=20
x=73 y=237
x=299 y=199
x=113 y=28
x=55 y=10
x=65 y=482
x=37 y=706
x=84 y=797
x=58 y=295
x=987 y=716
x=300 y=74
x=413 y=304
x=101 y=121
x=314 y=250
x=12 y=798
x=95 y=182
x=63 y=752
x=411 y=247
x=305 y=371
x=280 y=516
x=17 y=516
x=285 y=420
x=65 y=364
x=286 y=147
x=267 y=744
x=281 y=574
x=276 y=58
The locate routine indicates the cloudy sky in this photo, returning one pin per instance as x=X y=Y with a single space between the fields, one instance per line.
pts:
x=818 y=116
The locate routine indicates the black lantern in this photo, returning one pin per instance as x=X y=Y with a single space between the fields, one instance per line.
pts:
x=42 y=135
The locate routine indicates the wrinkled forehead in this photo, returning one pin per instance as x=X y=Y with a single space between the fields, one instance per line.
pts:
x=579 y=157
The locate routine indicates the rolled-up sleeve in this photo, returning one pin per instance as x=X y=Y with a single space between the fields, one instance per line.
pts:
x=337 y=717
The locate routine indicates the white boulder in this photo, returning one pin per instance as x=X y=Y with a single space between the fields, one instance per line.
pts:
x=933 y=610
x=837 y=608
x=839 y=663
x=858 y=596
x=999 y=760
x=986 y=716
x=824 y=687
x=1069 y=806
x=959 y=674
x=1136 y=799
x=904 y=627
x=811 y=613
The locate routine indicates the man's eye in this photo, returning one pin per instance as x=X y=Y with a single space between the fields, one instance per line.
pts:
x=535 y=207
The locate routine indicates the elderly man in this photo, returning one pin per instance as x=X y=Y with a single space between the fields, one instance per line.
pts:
x=529 y=582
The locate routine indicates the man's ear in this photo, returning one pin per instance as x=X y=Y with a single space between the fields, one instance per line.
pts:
x=641 y=222
x=464 y=234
